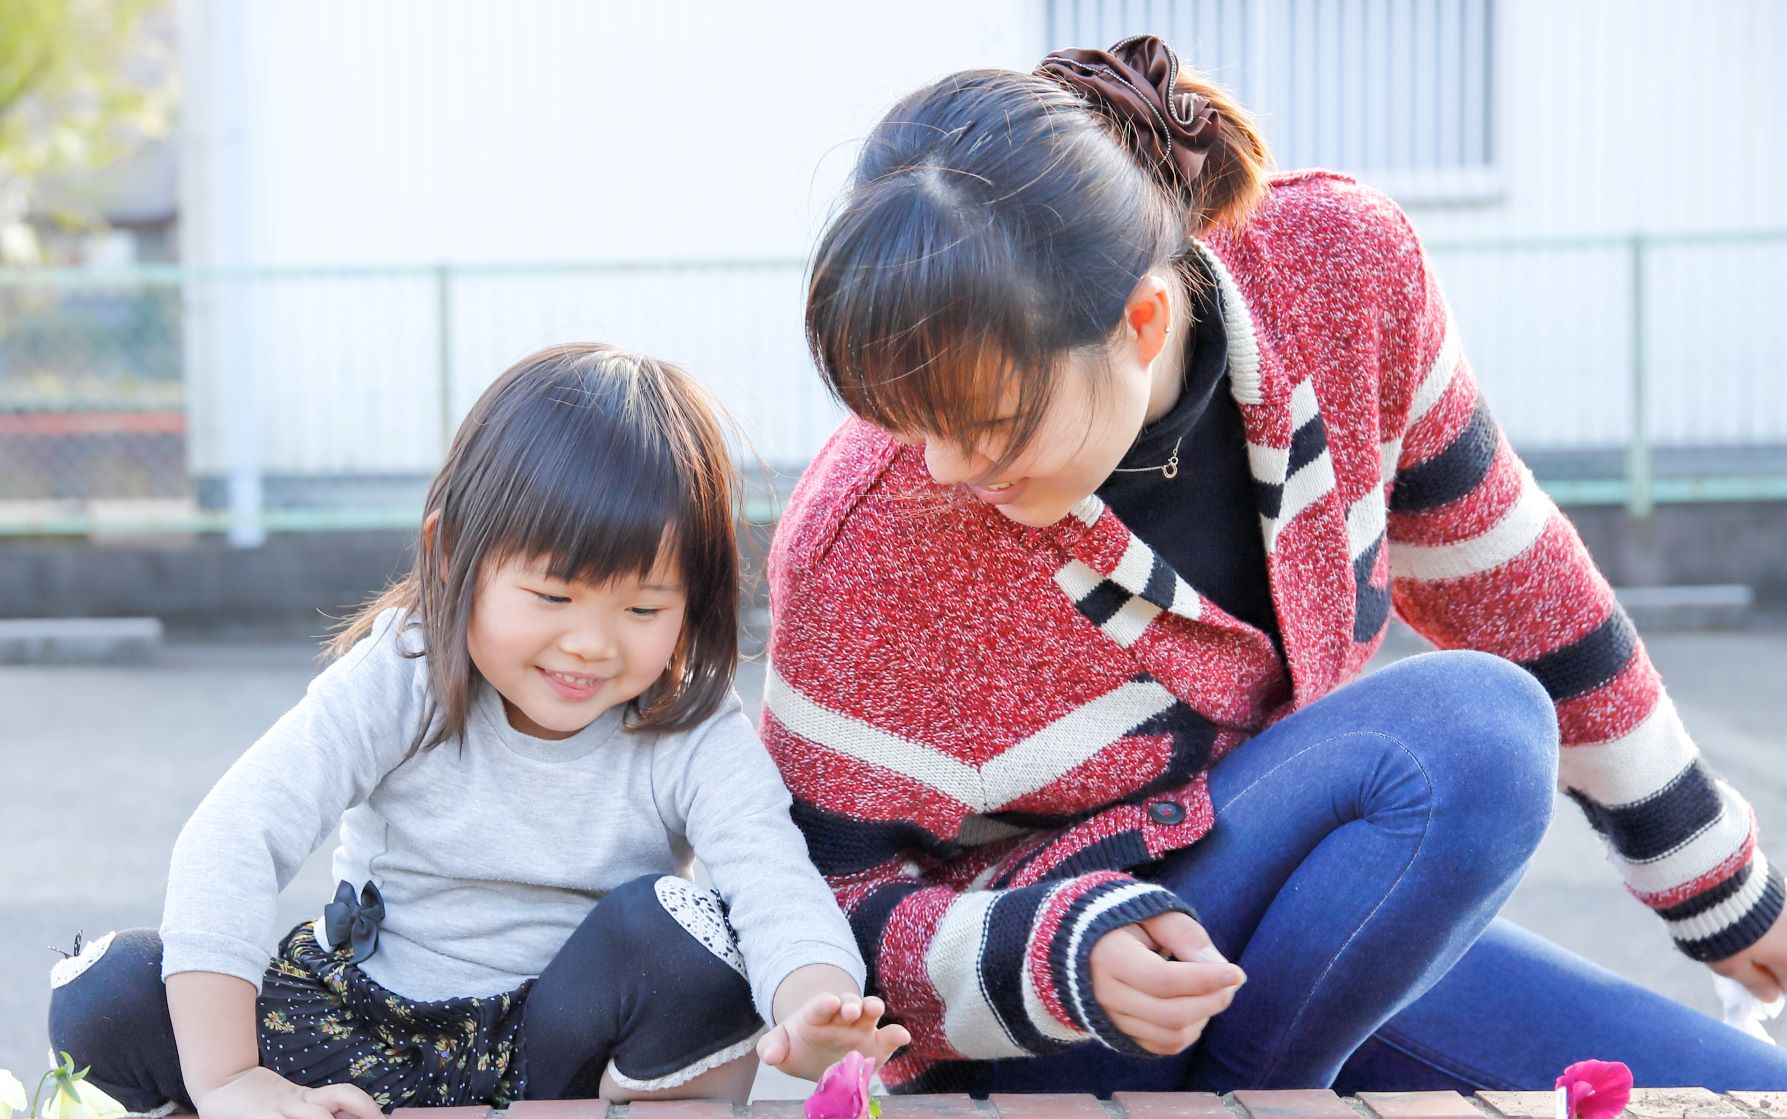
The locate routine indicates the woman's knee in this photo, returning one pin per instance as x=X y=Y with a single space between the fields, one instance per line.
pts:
x=1486 y=735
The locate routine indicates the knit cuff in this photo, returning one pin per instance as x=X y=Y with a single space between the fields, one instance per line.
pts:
x=1107 y=906
x=1731 y=916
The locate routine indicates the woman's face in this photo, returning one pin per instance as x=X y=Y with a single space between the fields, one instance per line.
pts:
x=1100 y=405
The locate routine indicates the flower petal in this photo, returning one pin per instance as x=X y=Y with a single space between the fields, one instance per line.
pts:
x=12 y=1093
x=1598 y=1089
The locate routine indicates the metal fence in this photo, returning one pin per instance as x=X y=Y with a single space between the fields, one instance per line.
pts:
x=165 y=400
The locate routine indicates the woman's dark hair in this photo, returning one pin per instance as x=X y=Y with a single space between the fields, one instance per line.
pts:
x=995 y=225
x=595 y=461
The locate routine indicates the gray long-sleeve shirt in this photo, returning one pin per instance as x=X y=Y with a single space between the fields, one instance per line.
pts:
x=489 y=851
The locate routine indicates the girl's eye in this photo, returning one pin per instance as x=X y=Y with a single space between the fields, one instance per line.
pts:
x=555 y=599
x=646 y=611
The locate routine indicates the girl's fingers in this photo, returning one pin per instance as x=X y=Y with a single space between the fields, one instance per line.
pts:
x=873 y=1007
x=344 y=1099
x=299 y=1109
x=890 y=1038
x=850 y=1008
x=821 y=1008
x=772 y=1049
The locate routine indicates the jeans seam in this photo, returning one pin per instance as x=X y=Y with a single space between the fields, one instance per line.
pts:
x=1316 y=745
x=1426 y=827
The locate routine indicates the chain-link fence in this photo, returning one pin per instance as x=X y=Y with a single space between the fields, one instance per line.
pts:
x=156 y=399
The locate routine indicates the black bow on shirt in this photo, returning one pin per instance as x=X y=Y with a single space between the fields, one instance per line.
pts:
x=355 y=921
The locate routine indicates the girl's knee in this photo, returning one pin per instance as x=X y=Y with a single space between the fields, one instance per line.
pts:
x=680 y=931
x=623 y=921
x=107 y=1001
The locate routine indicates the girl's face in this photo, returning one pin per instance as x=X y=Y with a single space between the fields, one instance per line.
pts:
x=562 y=653
x=1099 y=407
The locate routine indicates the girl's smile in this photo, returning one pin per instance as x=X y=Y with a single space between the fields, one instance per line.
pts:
x=574 y=687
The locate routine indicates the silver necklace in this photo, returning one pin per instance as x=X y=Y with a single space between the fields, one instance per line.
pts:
x=1168 y=469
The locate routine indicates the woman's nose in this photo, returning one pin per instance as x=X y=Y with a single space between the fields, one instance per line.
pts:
x=949 y=464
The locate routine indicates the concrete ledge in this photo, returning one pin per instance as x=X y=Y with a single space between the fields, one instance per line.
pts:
x=1719 y=606
x=79 y=640
x=1647 y=1103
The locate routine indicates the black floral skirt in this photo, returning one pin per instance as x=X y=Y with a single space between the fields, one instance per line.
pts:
x=322 y=1021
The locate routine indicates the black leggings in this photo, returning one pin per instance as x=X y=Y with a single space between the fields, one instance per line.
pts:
x=650 y=987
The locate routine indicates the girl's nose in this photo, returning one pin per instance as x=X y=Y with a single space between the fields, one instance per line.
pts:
x=588 y=642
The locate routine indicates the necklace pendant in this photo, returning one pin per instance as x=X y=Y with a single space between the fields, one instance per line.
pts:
x=1171 y=469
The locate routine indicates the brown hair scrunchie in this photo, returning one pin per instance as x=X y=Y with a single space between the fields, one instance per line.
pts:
x=1135 y=83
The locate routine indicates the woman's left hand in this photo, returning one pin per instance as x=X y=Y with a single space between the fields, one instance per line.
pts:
x=1762 y=967
x=825 y=1028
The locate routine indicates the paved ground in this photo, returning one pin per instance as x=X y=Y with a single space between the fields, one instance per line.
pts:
x=100 y=766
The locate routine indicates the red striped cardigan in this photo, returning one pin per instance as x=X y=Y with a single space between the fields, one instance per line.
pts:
x=984 y=724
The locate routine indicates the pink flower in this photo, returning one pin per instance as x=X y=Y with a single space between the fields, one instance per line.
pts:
x=843 y=1090
x=1598 y=1089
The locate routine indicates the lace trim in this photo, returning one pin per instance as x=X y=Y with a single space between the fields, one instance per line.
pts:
x=683 y=1075
x=70 y=968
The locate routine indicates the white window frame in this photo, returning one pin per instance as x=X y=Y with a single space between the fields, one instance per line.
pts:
x=1260 y=90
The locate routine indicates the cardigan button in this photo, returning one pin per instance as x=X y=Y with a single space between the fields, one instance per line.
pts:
x=1167 y=812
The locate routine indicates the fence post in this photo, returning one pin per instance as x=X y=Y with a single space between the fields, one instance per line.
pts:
x=1639 y=502
x=241 y=420
x=443 y=315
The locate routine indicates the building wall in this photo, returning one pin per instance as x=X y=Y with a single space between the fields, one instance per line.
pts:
x=705 y=142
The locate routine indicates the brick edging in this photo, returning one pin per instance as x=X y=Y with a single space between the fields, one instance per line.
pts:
x=1647 y=1103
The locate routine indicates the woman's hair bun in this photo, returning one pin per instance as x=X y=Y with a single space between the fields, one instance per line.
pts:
x=1135 y=83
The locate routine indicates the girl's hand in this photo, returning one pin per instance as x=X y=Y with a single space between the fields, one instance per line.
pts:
x=1162 y=1004
x=261 y=1093
x=826 y=1027
x=1762 y=967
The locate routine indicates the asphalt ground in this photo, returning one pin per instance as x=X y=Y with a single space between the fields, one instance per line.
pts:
x=99 y=767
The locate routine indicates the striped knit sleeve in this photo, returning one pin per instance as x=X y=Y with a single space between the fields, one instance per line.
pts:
x=1481 y=558
x=988 y=973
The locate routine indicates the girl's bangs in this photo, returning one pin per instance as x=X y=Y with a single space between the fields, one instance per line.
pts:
x=592 y=499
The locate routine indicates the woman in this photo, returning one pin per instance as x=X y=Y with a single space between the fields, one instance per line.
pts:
x=1145 y=447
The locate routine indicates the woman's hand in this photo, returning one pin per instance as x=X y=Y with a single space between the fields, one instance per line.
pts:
x=1762 y=967
x=1159 y=1003
x=261 y=1093
x=826 y=1027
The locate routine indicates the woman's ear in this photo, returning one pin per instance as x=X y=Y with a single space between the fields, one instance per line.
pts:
x=1149 y=316
x=431 y=544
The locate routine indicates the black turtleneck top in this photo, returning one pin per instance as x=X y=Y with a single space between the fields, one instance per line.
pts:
x=1204 y=522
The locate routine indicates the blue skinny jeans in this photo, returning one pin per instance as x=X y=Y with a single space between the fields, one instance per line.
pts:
x=1361 y=851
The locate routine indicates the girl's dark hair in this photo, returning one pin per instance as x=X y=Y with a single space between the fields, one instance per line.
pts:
x=995 y=225
x=593 y=460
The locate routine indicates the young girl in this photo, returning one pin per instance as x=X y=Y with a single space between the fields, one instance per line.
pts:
x=524 y=742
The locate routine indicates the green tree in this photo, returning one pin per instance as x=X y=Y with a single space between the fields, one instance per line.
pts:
x=82 y=82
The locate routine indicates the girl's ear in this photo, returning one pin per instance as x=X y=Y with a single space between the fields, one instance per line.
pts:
x=430 y=540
